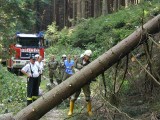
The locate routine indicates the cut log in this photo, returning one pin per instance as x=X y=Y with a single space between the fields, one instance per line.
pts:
x=55 y=96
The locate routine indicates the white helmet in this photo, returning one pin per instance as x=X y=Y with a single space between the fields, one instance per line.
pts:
x=81 y=55
x=88 y=53
x=36 y=56
x=64 y=55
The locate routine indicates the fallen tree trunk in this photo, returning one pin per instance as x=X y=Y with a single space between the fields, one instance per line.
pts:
x=55 y=96
x=8 y=116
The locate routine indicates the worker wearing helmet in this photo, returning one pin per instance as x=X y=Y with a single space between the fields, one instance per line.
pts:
x=62 y=67
x=79 y=64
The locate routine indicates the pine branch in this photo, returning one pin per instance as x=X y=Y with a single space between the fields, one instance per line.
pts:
x=118 y=109
x=126 y=69
x=115 y=78
x=150 y=38
x=147 y=70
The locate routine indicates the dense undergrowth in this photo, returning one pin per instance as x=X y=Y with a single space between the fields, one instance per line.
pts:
x=12 y=93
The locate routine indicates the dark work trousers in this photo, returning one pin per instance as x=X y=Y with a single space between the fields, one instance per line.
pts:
x=39 y=79
x=32 y=89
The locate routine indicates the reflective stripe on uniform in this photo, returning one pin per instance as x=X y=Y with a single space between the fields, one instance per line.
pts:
x=34 y=97
x=88 y=98
x=28 y=98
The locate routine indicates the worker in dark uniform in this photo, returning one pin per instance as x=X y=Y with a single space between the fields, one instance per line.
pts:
x=32 y=73
x=79 y=64
x=52 y=65
x=62 y=67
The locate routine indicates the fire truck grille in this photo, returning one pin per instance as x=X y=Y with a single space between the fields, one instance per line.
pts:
x=26 y=55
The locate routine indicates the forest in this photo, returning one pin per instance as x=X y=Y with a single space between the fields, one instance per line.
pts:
x=124 y=36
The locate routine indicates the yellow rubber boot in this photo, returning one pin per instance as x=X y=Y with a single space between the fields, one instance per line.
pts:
x=89 y=108
x=71 y=108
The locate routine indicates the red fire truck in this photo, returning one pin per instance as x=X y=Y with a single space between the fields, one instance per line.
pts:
x=25 y=46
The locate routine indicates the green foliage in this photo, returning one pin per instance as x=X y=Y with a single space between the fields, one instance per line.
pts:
x=125 y=86
x=85 y=33
x=59 y=50
x=64 y=36
x=13 y=91
x=15 y=15
x=52 y=33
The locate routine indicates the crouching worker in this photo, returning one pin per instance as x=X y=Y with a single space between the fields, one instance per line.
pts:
x=79 y=64
x=32 y=73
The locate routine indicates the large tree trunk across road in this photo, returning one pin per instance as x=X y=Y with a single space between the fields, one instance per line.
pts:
x=55 y=96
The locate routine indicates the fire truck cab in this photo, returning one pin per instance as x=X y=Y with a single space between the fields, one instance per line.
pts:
x=25 y=46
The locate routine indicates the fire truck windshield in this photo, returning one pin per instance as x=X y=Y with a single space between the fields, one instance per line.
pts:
x=30 y=42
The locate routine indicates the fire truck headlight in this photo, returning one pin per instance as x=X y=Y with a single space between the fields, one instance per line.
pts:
x=14 y=62
x=13 y=58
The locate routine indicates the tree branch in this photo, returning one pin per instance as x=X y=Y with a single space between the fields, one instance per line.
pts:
x=146 y=70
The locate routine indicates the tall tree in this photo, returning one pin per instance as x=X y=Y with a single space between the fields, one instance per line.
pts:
x=74 y=11
x=123 y=2
x=105 y=7
x=83 y=8
x=92 y=8
x=13 y=15
x=115 y=5
x=70 y=13
x=66 y=12
x=97 y=8
x=55 y=96
x=54 y=9
x=79 y=13
x=119 y=4
x=127 y=3
x=109 y=5
x=38 y=20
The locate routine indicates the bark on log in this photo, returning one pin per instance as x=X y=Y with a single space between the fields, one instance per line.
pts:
x=8 y=116
x=54 y=97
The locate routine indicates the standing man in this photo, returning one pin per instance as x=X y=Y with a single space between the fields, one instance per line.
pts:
x=68 y=63
x=31 y=71
x=62 y=67
x=52 y=65
x=79 y=64
x=40 y=66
